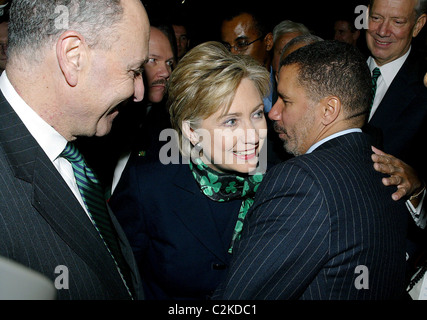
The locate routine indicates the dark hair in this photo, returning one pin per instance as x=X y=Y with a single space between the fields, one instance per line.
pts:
x=334 y=68
x=350 y=21
x=167 y=30
x=261 y=24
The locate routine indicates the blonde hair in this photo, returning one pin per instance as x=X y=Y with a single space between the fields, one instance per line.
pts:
x=205 y=81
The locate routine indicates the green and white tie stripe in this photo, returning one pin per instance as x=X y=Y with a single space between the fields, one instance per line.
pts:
x=92 y=195
x=375 y=75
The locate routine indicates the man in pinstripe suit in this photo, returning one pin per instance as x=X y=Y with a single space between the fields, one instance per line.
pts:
x=322 y=226
x=68 y=69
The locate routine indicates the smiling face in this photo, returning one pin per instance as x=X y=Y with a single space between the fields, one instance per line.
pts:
x=232 y=141
x=113 y=74
x=392 y=25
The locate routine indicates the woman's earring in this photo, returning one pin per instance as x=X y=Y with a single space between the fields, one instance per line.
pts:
x=196 y=150
x=198 y=147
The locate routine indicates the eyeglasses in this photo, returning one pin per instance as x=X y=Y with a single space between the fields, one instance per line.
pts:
x=241 y=45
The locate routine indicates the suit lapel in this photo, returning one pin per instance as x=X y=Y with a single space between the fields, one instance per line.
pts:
x=58 y=206
x=394 y=103
x=128 y=256
x=52 y=197
x=194 y=211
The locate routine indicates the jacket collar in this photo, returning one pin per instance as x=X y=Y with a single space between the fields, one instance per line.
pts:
x=194 y=211
x=51 y=196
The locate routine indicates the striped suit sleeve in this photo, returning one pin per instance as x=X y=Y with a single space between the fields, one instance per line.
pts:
x=285 y=239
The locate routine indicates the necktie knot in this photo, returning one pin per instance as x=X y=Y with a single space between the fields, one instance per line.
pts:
x=71 y=153
x=375 y=74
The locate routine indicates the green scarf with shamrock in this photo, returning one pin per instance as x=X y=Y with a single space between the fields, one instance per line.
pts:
x=224 y=187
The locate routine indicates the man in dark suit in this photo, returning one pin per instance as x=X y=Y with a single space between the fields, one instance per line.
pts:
x=322 y=225
x=400 y=105
x=65 y=77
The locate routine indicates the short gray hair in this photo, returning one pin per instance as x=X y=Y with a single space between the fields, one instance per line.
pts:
x=420 y=7
x=288 y=26
x=35 y=24
x=304 y=40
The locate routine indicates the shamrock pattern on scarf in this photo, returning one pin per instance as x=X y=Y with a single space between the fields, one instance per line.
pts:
x=225 y=187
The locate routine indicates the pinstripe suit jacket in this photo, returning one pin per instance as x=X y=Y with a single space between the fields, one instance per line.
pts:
x=315 y=219
x=42 y=225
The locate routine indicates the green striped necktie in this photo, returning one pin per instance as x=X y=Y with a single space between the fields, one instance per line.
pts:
x=91 y=192
x=375 y=75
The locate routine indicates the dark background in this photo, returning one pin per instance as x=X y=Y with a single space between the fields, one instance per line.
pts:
x=204 y=17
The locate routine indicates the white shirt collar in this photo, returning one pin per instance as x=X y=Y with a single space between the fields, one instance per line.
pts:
x=389 y=70
x=332 y=136
x=47 y=137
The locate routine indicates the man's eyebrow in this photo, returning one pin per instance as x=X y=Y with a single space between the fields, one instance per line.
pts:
x=281 y=94
x=138 y=63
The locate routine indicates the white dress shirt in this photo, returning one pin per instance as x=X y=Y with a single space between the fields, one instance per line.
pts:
x=388 y=73
x=46 y=136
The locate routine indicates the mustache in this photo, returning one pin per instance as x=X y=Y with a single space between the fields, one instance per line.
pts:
x=159 y=81
x=278 y=128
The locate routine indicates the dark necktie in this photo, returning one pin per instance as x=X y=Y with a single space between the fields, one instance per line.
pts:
x=91 y=192
x=375 y=75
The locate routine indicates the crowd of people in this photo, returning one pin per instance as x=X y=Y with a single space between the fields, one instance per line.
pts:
x=268 y=163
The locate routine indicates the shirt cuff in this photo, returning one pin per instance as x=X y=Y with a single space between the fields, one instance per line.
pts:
x=418 y=213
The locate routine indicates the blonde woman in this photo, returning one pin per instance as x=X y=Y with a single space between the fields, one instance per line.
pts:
x=183 y=219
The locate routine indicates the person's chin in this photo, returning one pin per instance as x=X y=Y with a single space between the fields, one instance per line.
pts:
x=244 y=168
x=104 y=127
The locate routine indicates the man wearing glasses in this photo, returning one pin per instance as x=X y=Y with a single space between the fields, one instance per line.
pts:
x=244 y=32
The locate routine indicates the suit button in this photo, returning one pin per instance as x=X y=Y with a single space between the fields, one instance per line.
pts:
x=219 y=266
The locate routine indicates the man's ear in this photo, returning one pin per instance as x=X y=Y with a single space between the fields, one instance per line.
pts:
x=331 y=109
x=268 y=40
x=421 y=21
x=190 y=133
x=70 y=52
